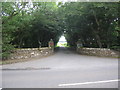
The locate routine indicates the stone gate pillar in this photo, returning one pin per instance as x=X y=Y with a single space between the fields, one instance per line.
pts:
x=79 y=44
x=51 y=44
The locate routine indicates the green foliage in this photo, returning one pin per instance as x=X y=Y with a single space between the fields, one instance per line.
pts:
x=7 y=50
x=26 y=26
x=96 y=24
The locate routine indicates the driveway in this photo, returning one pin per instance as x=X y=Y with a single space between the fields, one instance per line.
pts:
x=64 y=69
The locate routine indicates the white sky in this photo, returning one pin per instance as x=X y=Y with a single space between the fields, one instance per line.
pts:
x=62 y=38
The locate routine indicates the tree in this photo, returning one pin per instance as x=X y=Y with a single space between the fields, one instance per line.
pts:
x=27 y=25
x=92 y=22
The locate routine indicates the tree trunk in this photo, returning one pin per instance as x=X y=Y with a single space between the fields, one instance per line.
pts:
x=20 y=42
x=98 y=41
x=98 y=29
x=97 y=37
x=108 y=45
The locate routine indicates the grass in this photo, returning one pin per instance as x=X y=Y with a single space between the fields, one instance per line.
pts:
x=0 y=62
x=62 y=45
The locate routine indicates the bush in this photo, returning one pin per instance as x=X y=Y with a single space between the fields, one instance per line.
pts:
x=6 y=51
x=115 y=47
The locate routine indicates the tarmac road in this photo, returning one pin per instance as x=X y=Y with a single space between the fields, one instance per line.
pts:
x=64 y=69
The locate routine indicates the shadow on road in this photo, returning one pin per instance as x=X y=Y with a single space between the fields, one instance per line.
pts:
x=65 y=50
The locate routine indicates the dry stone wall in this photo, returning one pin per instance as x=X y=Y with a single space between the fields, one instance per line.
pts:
x=98 y=52
x=30 y=52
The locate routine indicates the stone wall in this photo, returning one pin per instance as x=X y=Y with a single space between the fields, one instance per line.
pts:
x=98 y=52
x=30 y=52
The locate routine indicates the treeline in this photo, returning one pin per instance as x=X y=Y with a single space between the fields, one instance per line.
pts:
x=26 y=25
x=96 y=24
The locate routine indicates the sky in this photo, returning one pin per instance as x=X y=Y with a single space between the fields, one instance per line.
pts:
x=62 y=41
x=62 y=38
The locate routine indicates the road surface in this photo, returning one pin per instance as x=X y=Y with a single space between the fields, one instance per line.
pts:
x=64 y=69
